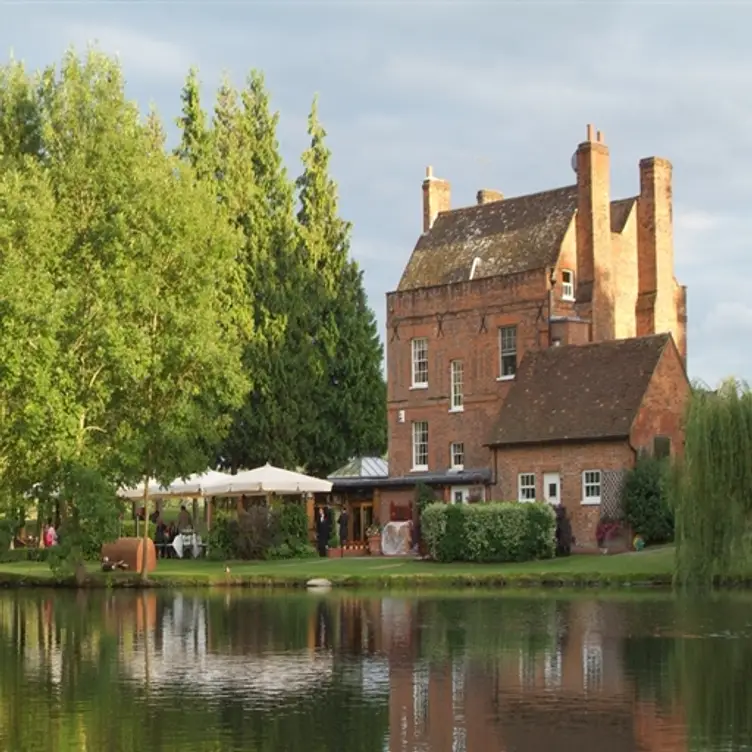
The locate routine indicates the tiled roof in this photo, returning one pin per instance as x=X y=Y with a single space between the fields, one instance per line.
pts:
x=620 y=212
x=578 y=392
x=362 y=467
x=509 y=236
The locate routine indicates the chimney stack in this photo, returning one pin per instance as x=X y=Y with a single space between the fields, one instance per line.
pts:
x=655 y=250
x=594 y=255
x=436 y=198
x=486 y=196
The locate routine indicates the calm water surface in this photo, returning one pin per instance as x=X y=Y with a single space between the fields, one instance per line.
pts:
x=120 y=672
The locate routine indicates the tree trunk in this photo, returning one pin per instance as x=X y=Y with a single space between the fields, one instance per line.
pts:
x=144 y=554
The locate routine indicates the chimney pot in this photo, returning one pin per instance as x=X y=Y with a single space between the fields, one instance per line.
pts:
x=590 y=132
x=429 y=171
x=487 y=196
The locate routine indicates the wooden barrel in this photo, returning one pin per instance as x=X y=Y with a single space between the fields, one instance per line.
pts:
x=130 y=551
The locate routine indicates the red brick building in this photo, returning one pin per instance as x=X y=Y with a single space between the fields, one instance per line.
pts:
x=488 y=284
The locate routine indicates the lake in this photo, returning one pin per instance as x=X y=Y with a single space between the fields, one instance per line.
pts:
x=364 y=672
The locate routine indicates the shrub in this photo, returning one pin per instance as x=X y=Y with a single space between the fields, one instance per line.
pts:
x=646 y=504
x=280 y=532
x=26 y=554
x=285 y=551
x=563 y=532
x=290 y=526
x=493 y=532
x=433 y=525
x=252 y=533
x=220 y=539
x=7 y=532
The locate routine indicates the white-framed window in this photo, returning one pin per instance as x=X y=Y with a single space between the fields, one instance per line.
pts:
x=420 y=445
x=591 y=487
x=457 y=376
x=526 y=486
x=420 y=363
x=507 y=352
x=567 y=284
x=457 y=455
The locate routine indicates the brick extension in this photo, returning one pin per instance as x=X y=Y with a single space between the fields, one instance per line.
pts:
x=502 y=262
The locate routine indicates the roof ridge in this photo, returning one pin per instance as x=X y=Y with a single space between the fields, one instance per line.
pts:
x=606 y=342
x=508 y=200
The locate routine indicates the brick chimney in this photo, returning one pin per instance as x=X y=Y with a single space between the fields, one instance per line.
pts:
x=656 y=305
x=486 y=196
x=594 y=255
x=436 y=198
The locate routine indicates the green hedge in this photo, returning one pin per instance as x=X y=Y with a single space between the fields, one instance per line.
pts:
x=492 y=532
x=25 y=554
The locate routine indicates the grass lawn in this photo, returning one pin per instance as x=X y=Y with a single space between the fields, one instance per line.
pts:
x=648 y=567
x=652 y=567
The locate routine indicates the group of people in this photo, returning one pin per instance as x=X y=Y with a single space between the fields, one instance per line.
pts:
x=164 y=533
x=325 y=525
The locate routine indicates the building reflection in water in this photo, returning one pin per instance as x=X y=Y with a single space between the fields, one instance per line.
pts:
x=457 y=675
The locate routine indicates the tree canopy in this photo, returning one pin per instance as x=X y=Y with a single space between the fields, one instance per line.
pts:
x=318 y=393
x=168 y=309
x=711 y=485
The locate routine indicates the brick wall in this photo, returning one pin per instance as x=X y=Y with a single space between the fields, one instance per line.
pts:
x=460 y=321
x=662 y=409
x=624 y=285
x=570 y=461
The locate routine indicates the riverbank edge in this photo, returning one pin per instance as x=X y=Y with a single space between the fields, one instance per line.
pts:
x=9 y=581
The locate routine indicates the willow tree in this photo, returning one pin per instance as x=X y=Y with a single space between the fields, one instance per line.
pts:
x=712 y=485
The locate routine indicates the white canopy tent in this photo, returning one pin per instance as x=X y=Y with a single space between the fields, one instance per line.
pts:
x=193 y=486
x=136 y=493
x=267 y=480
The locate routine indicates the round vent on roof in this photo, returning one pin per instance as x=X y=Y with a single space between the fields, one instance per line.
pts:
x=574 y=162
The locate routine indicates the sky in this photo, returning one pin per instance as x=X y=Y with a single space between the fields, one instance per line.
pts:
x=491 y=94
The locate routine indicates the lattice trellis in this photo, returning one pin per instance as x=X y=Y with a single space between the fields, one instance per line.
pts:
x=612 y=487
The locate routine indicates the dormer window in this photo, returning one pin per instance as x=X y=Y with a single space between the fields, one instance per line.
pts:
x=474 y=267
x=567 y=284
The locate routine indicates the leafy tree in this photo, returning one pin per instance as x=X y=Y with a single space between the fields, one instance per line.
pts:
x=30 y=402
x=143 y=316
x=253 y=188
x=194 y=145
x=710 y=485
x=345 y=353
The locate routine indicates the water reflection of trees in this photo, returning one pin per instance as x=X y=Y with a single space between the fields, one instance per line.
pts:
x=698 y=658
x=129 y=671
x=75 y=674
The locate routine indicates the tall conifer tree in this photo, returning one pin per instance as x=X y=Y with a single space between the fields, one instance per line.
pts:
x=348 y=389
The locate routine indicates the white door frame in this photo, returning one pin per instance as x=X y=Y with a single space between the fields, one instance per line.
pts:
x=464 y=490
x=548 y=479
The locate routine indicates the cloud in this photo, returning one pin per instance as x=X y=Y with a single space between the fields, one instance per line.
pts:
x=140 y=53
x=491 y=95
x=729 y=318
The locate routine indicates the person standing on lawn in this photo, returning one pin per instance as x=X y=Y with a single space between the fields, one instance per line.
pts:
x=343 y=523
x=322 y=531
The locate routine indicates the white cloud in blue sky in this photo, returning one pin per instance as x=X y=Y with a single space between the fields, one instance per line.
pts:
x=492 y=94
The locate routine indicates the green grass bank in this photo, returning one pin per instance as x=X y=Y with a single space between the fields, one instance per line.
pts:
x=652 y=568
